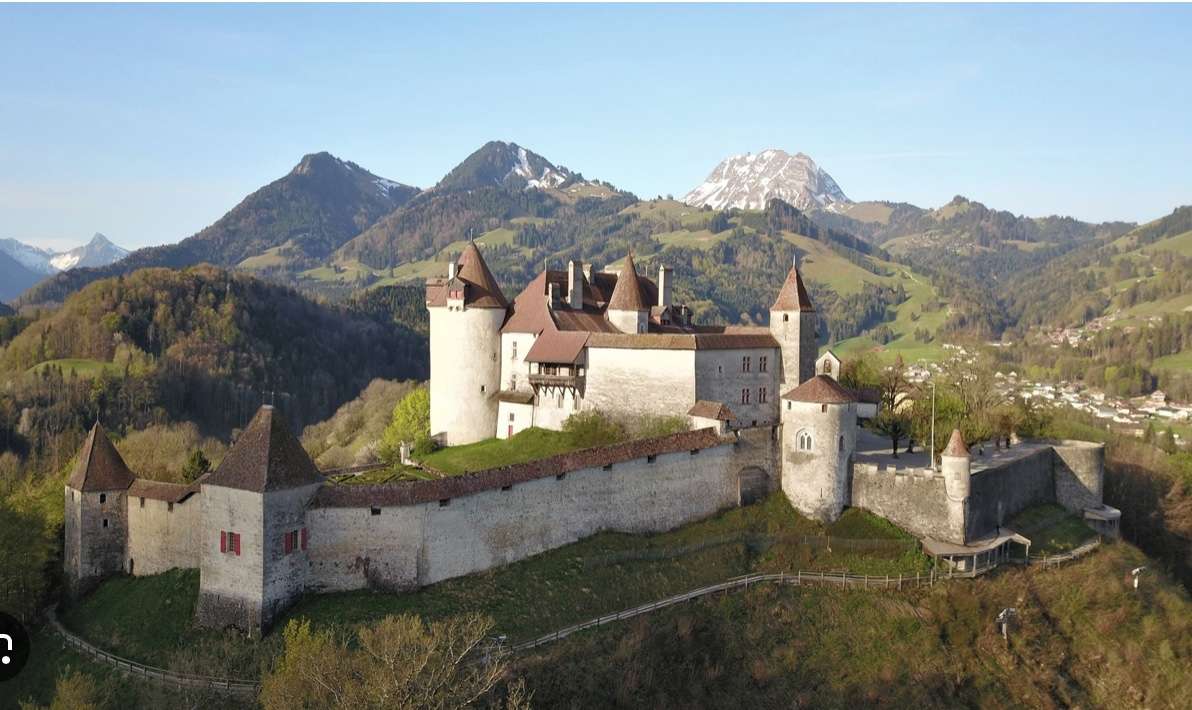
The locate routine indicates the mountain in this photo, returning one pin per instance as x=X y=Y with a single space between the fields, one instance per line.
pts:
x=15 y=277
x=500 y=186
x=33 y=258
x=300 y=218
x=500 y=164
x=749 y=181
x=97 y=252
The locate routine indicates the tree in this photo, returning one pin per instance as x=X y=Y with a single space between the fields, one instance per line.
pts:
x=1167 y=441
x=196 y=465
x=861 y=372
x=411 y=424
x=72 y=691
x=400 y=662
x=894 y=425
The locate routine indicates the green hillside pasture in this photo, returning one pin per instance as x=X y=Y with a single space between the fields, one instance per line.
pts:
x=79 y=366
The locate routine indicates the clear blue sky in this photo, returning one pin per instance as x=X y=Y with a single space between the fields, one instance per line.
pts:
x=148 y=123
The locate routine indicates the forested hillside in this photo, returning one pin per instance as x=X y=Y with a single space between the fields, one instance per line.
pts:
x=967 y=237
x=201 y=344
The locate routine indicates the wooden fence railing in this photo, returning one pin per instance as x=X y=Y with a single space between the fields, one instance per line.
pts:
x=226 y=686
x=1075 y=554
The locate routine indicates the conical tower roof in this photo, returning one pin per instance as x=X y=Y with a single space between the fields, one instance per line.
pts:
x=100 y=467
x=820 y=389
x=266 y=457
x=627 y=294
x=793 y=295
x=483 y=291
x=956 y=445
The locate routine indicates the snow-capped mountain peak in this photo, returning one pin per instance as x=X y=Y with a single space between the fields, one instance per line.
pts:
x=748 y=181
x=97 y=252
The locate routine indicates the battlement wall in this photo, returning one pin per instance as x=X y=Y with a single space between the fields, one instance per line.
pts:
x=395 y=537
x=912 y=498
x=999 y=493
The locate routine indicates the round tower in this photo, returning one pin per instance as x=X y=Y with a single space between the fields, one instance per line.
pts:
x=819 y=436
x=792 y=323
x=467 y=310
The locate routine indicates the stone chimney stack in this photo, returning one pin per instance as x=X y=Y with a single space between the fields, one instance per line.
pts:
x=575 y=284
x=664 y=285
x=450 y=269
x=553 y=293
x=588 y=272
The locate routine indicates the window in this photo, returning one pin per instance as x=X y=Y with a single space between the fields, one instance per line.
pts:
x=745 y=396
x=513 y=382
x=142 y=501
x=763 y=363
x=444 y=502
x=561 y=476
x=823 y=408
x=786 y=317
x=507 y=488
x=651 y=459
x=513 y=350
x=840 y=446
x=607 y=467
x=229 y=543
x=720 y=369
x=745 y=364
x=105 y=522
x=761 y=395
x=290 y=541
x=511 y=416
x=482 y=388
x=803 y=440
x=103 y=498
x=169 y=507
x=374 y=511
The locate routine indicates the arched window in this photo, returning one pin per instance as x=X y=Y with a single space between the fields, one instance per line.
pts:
x=803 y=440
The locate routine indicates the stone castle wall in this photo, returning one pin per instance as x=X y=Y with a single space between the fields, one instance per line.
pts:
x=998 y=494
x=401 y=547
x=1079 y=474
x=162 y=536
x=914 y=499
x=96 y=536
x=640 y=382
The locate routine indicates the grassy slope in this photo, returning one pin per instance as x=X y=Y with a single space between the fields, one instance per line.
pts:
x=80 y=366
x=1084 y=638
x=526 y=445
x=148 y=618
x=1180 y=244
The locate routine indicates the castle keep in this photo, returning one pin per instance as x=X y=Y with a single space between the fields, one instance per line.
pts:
x=266 y=527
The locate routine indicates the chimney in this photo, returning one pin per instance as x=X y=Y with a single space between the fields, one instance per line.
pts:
x=588 y=272
x=664 y=285
x=451 y=269
x=553 y=293
x=575 y=284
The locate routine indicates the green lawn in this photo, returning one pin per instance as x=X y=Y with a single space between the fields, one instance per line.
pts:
x=81 y=367
x=1051 y=529
x=527 y=445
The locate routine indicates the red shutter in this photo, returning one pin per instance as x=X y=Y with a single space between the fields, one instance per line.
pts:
x=285 y=542
x=236 y=543
x=303 y=538
x=223 y=541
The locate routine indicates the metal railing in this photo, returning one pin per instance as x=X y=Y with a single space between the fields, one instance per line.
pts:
x=140 y=670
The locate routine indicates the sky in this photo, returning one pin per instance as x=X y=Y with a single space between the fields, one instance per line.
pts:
x=147 y=123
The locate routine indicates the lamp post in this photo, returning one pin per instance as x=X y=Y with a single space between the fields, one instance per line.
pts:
x=932 y=449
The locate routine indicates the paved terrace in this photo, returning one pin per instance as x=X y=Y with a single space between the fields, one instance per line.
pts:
x=873 y=449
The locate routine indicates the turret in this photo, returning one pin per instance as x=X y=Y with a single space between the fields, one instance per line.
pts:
x=792 y=323
x=253 y=558
x=96 y=514
x=627 y=308
x=575 y=284
x=956 y=465
x=819 y=436
x=467 y=311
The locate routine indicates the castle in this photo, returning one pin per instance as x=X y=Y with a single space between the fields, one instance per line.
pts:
x=266 y=526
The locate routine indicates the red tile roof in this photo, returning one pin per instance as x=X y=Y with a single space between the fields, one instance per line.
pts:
x=682 y=341
x=100 y=467
x=956 y=445
x=414 y=492
x=556 y=347
x=711 y=410
x=793 y=296
x=820 y=389
x=161 y=490
x=266 y=457
x=482 y=291
x=627 y=295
